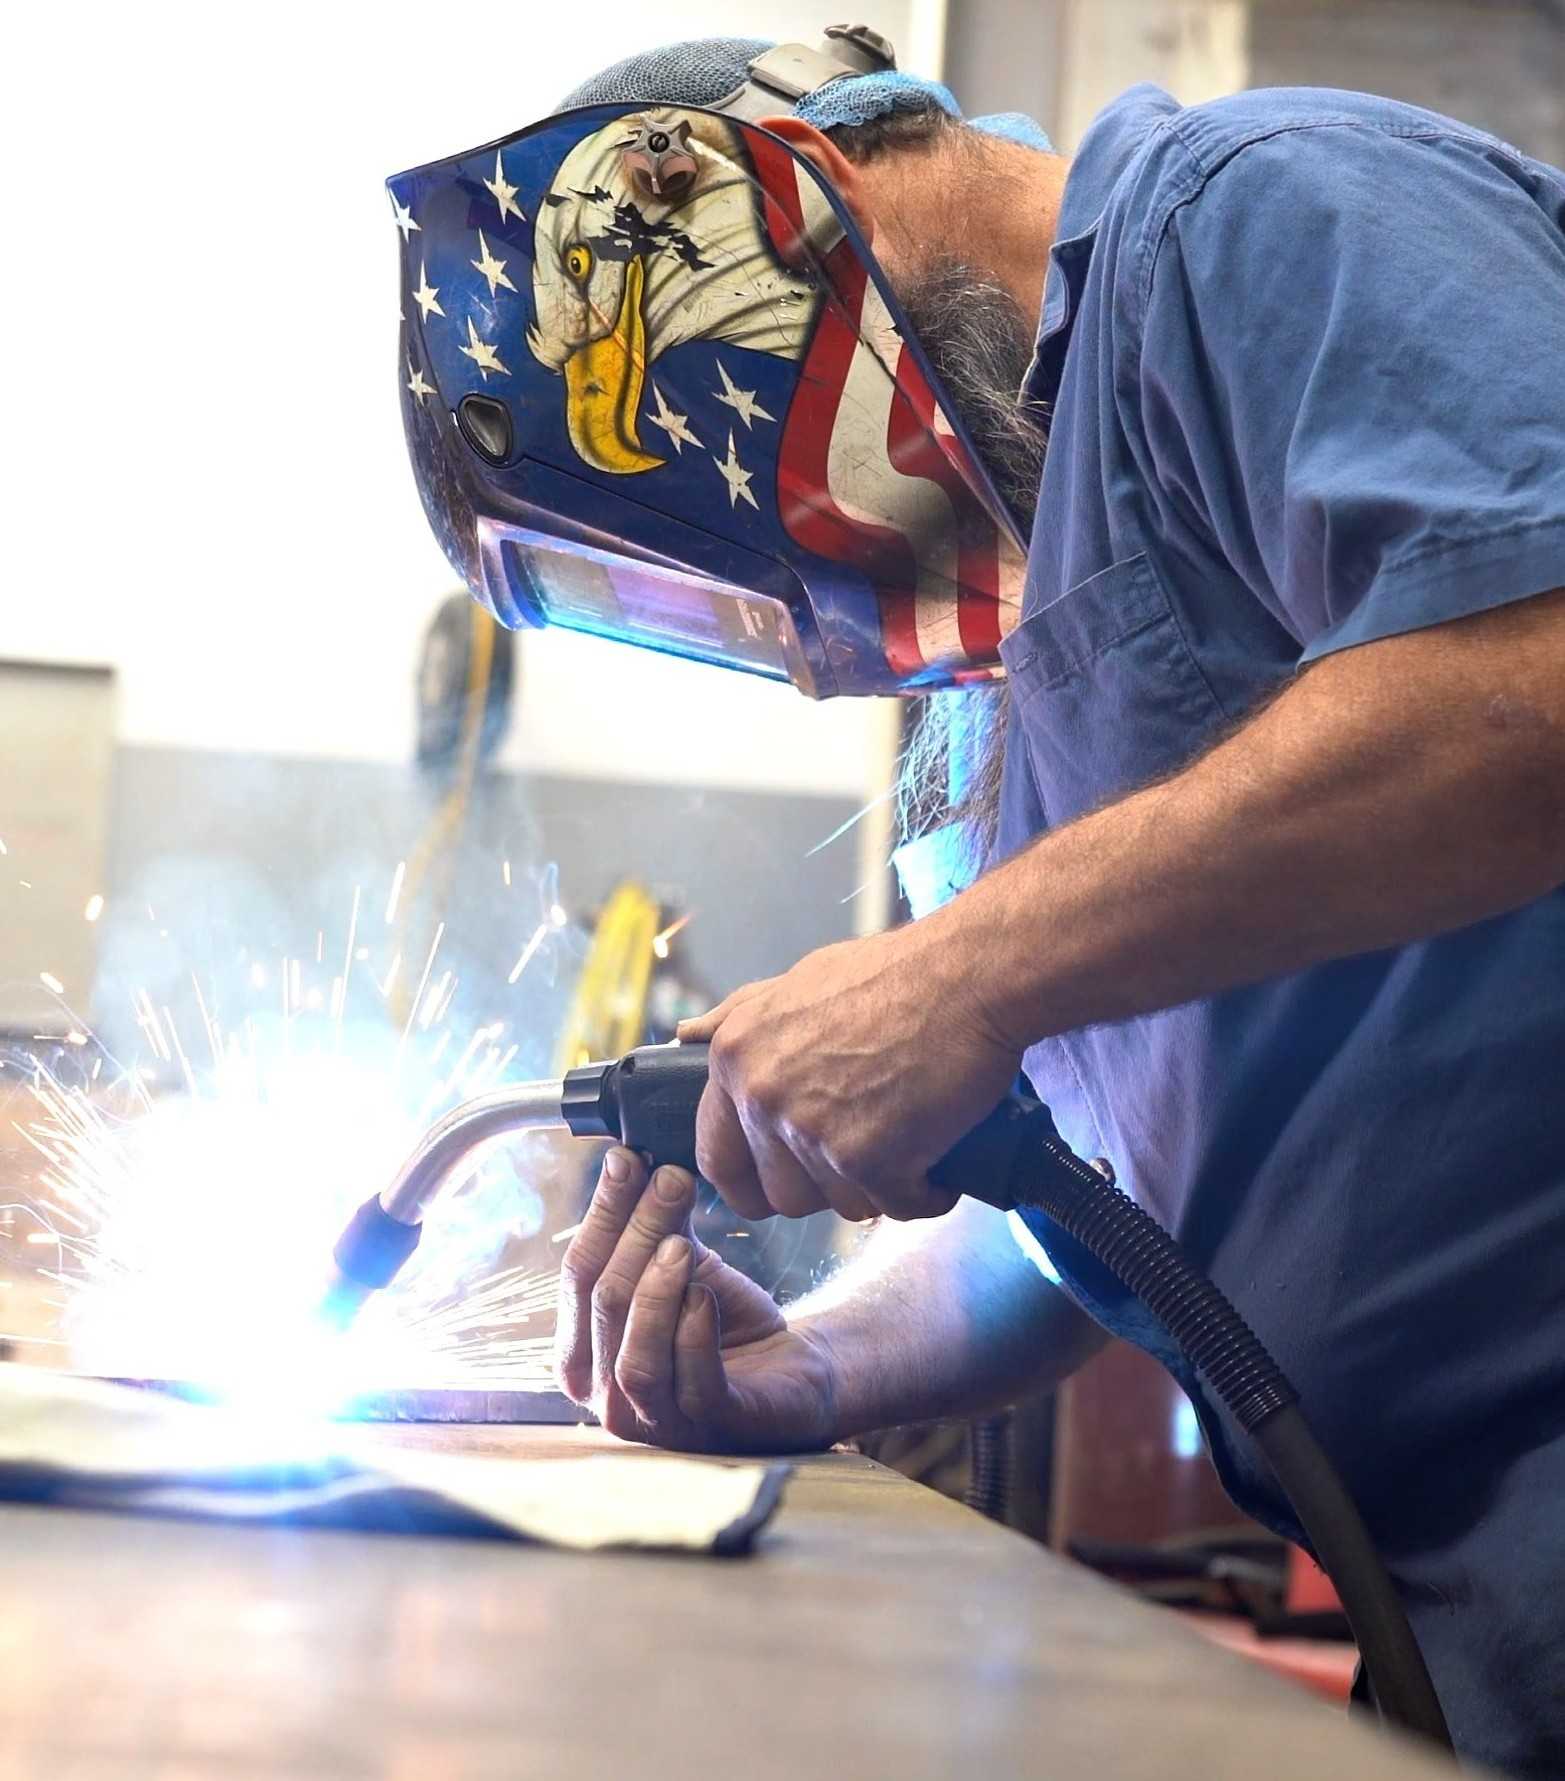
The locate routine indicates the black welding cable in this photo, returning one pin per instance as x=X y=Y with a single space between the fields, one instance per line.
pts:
x=1213 y=1335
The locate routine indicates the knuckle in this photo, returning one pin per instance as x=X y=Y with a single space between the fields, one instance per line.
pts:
x=637 y=1380
x=765 y=1092
x=610 y=1302
x=853 y=1162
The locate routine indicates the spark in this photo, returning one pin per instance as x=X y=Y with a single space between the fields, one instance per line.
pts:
x=557 y=914
x=418 y=994
x=26 y=883
x=139 y=1203
x=396 y=891
x=433 y=1001
x=539 y=935
x=505 y=872
x=94 y=908
x=3 y=849
x=184 y=1201
x=857 y=817
x=565 y=1235
x=340 y=990
x=51 y=983
x=660 y=942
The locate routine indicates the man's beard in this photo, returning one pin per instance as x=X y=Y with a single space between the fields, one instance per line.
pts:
x=980 y=346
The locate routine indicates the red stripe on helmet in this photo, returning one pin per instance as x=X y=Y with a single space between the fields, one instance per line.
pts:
x=917 y=449
x=809 y=513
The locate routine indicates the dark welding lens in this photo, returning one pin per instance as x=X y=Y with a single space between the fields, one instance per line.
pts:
x=486 y=426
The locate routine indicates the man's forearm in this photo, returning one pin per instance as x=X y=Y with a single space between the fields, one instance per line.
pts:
x=946 y=1317
x=1395 y=791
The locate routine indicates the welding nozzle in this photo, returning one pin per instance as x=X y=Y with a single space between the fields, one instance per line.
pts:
x=646 y=1099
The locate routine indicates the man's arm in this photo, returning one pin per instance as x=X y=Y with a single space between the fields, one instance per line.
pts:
x=944 y=1318
x=1405 y=787
x=1395 y=791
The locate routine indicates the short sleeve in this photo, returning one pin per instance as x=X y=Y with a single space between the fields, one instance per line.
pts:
x=1352 y=376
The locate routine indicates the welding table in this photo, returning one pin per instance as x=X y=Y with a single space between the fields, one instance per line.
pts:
x=879 y=1630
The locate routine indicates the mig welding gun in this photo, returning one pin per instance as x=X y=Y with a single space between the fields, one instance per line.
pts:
x=647 y=1100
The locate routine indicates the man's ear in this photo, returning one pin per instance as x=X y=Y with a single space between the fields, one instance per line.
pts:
x=829 y=161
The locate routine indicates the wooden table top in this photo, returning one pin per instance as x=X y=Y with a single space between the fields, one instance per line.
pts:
x=878 y=1630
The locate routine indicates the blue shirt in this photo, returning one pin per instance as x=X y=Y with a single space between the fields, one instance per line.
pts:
x=1305 y=357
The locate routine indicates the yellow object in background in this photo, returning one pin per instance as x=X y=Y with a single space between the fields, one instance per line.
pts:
x=608 y=1011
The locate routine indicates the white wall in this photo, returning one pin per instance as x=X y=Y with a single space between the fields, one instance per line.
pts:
x=1196 y=49
x=206 y=483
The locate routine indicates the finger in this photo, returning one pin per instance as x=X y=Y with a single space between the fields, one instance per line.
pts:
x=662 y=1211
x=913 y=1199
x=847 y=1198
x=784 y=1179
x=723 y=1154
x=620 y=1185
x=645 y=1369
x=850 y=1202
x=700 y=1382
x=702 y=1026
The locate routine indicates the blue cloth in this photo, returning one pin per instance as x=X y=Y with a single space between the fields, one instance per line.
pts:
x=1305 y=356
x=861 y=98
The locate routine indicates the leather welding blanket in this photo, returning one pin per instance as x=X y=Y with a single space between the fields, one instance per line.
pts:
x=86 y=1444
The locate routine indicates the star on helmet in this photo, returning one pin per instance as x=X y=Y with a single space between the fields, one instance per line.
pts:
x=492 y=269
x=482 y=353
x=504 y=195
x=737 y=477
x=743 y=402
x=675 y=425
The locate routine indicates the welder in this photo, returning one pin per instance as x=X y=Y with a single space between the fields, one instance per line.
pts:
x=1253 y=858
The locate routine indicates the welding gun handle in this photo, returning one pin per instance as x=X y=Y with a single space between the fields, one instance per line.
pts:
x=1000 y=1157
x=648 y=1099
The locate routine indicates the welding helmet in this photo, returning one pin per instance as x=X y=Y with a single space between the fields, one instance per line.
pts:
x=656 y=387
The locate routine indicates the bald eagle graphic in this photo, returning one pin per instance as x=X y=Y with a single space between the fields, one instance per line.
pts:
x=629 y=262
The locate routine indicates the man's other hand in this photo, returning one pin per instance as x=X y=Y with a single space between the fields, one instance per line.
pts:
x=668 y=1344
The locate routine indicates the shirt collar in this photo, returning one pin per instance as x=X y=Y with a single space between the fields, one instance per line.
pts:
x=1111 y=143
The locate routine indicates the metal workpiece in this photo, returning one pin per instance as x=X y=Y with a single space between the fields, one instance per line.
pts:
x=412 y=1404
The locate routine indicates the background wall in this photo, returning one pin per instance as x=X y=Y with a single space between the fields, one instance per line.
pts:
x=1500 y=65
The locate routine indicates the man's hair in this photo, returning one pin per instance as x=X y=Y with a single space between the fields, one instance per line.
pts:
x=920 y=126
